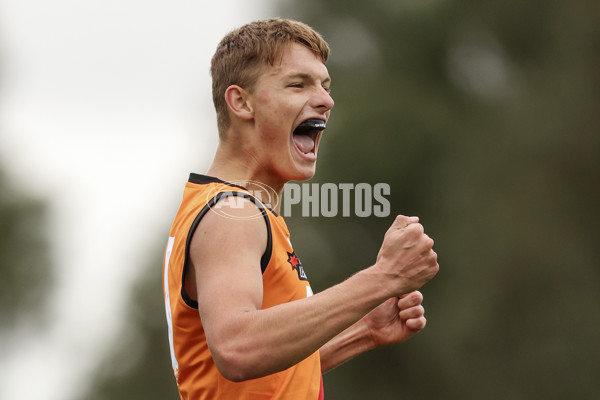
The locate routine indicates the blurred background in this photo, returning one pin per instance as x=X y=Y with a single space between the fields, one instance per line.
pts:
x=482 y=116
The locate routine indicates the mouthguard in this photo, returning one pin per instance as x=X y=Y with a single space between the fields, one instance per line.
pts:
x=311 y=124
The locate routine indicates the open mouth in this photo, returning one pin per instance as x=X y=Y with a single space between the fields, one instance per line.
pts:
x=306 y=134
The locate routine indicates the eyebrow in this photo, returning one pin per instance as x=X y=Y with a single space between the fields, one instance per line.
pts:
x=307 y=77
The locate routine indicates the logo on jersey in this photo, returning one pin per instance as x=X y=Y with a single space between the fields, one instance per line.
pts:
x=296 y=265
x=229 y=201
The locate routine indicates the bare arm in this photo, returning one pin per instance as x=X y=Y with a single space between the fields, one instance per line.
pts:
x=247 y=342
x=394 y=321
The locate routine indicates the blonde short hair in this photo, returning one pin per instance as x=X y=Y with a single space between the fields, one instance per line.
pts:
x=242 y=53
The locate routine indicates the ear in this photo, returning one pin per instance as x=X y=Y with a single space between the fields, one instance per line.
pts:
x=238 y=101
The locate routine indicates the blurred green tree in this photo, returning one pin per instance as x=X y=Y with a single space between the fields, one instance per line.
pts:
x=26 y=274
x=483 y=118
x=139 y=367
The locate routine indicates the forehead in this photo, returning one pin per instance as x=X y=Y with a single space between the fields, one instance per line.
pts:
x=297 y=59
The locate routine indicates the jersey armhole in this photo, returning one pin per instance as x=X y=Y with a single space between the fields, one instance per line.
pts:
x=265 y=258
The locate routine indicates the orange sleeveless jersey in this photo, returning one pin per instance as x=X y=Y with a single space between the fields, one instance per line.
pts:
x=284 y=280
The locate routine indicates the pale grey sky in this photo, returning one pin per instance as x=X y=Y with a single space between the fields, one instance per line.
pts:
x=105 y=107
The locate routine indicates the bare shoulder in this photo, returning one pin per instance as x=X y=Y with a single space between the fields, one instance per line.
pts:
x=225 y=254
x=233 y=221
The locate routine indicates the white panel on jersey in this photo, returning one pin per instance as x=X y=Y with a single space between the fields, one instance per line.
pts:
x=309 y=291
x=174 y=362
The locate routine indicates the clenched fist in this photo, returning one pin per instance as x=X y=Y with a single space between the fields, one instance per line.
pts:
x=406 y=256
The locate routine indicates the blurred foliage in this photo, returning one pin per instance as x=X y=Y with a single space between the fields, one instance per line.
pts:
x=484 y=118
x=139 y=367
x=26 y=275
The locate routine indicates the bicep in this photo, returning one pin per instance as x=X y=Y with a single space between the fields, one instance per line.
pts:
x=225 y=254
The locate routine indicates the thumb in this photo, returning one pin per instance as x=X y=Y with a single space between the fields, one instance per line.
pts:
x=403 y=221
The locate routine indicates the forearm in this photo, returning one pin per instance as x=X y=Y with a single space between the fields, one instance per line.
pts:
x=345 y=346
x=243 y=349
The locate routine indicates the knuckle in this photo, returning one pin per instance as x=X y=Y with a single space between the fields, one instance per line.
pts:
x=419 y=228
x=430 y=242
x=426 y=246
x=414 y=230
x=427 y=242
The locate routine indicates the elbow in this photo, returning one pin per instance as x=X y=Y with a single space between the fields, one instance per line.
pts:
x=236 y=366
x=233 y=372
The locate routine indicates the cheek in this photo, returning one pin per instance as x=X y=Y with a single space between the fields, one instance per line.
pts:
x=274 y=116
x=276 y=123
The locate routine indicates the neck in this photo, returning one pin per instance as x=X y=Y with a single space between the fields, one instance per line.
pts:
x=239 y=166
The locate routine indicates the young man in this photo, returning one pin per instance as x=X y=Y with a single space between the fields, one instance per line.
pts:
x=242 y=320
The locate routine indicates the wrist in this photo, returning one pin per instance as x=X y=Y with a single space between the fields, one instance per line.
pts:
x=383 y=283
x=349 y=343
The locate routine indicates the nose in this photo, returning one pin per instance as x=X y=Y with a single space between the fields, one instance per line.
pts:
x=322 y=100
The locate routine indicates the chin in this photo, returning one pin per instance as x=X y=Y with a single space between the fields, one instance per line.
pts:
x=304 y=174
x=300 y=176
x=304 y=178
